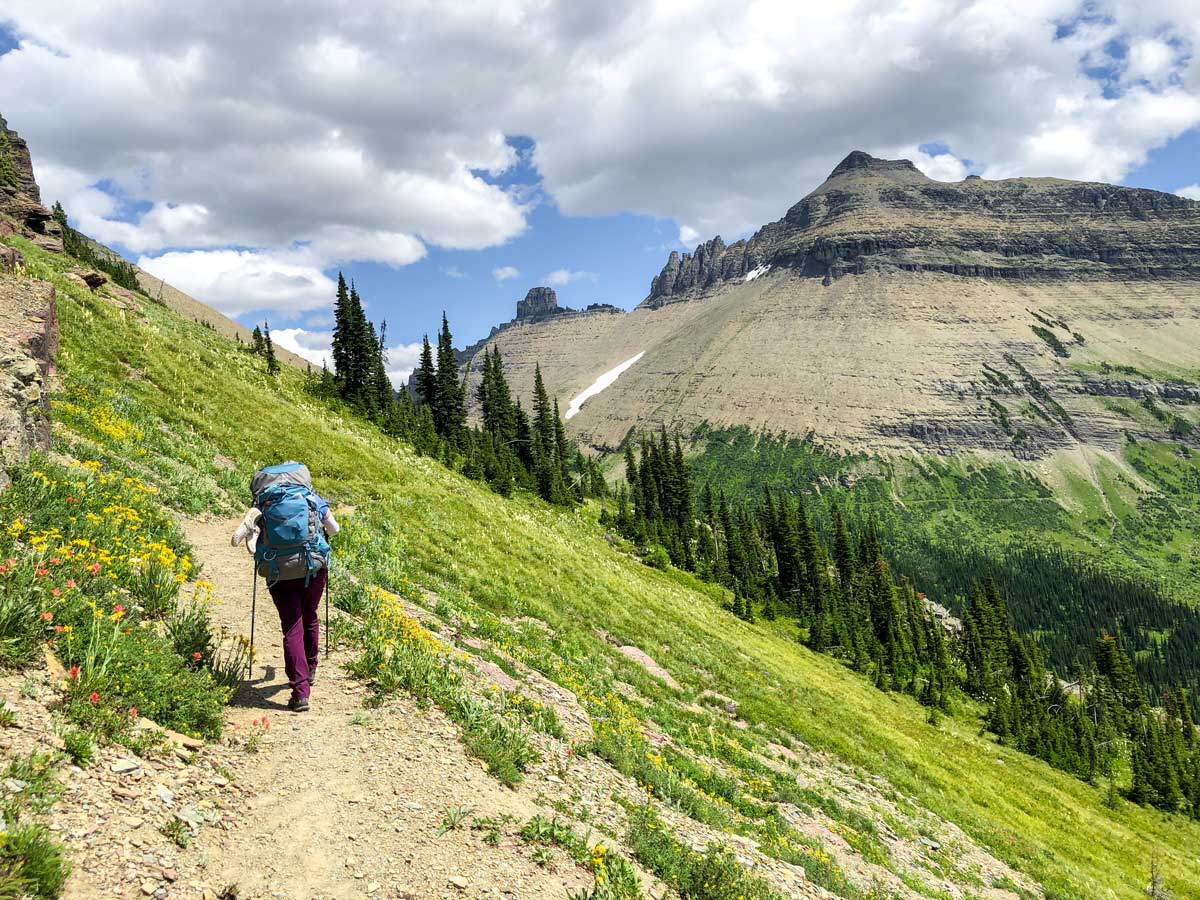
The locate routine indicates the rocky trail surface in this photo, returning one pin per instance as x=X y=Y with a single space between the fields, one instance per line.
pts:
x=342 y=802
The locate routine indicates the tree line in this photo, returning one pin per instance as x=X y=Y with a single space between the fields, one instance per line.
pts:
x=510 y=449
x=1088 y=726
x=837 y=584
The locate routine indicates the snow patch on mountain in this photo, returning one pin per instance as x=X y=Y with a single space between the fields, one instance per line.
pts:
x=755 y=272
x=600 y=384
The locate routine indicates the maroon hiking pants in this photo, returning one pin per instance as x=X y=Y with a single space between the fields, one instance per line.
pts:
x=298 y=606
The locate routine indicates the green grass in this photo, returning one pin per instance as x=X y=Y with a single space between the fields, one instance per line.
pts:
x=32 y=865
x=493 y=560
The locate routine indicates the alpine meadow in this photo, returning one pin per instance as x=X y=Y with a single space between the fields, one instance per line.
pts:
x=856 y=557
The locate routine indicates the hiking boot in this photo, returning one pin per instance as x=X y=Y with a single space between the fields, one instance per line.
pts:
x=312 y=676
x=298 y=704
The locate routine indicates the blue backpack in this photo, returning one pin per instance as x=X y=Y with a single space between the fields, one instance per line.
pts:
x=291 y=541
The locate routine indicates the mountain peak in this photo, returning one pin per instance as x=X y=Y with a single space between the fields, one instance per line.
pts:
x=538 y=303
x=860 y=160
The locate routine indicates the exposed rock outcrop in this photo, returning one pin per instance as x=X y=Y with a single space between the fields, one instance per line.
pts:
x=539 y=303
x=28 y=344
x=16 y=166
x=878 y=215
x=21 y=207
x=28 y=315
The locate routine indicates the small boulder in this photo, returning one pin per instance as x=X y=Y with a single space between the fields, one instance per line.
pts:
x=11 y=260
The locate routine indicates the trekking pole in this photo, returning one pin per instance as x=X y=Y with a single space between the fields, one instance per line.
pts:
x=253 y=605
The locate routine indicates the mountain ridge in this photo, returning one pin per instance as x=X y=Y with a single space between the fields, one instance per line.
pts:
x=855 y=222
x=993 y=316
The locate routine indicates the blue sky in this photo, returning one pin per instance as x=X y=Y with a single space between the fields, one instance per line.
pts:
x=611 y=259
x=248 y=157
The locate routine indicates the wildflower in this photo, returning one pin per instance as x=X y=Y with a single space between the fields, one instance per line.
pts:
x=94 y=568
x=74 y=673
x=41 y=572
x=94 y=698
x=133 y=712
x=58 y=628
x=47 y=616
x=198 y=656
x=266 y=722
x=57 y=593
x=55 y=561
x=70 y=583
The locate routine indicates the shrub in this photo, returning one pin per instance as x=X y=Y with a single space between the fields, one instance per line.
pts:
x=20 y=628
x=191 y=634
x=712 y=875
x=1051 y=340
x=41 y=787
x=79 y=746
x=32 y=864
x=657 y=558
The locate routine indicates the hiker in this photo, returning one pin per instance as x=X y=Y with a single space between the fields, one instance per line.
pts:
x=286 y=531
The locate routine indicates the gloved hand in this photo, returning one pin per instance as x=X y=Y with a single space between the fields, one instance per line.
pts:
x=329 y=523
x=248 y=530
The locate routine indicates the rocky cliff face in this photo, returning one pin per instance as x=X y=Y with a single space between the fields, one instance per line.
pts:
x=884 y=215
x=28 y=344
x=21 y=207
x=28 y=316
x=16 y=167
x=539 y=303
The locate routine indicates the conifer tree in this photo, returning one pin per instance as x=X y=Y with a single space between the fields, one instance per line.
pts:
x=425 y=377
x=342 y=330
x=269 y=350
x=547 y=471
x=449 y=407
x=383 y=396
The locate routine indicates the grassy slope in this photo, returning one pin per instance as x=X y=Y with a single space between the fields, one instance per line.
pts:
x=520 y=557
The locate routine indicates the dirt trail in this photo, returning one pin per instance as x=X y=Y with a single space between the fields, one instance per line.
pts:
x=345 y=802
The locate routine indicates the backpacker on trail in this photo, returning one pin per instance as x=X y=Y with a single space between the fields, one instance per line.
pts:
x=286 y=530
x=291 y=539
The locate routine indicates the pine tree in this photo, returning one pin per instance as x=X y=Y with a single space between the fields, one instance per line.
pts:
x=449 y=408
x=546 y=468
x=257 y=347
x=425 y=377
x=342 y=330
x=269 y=350
x=843 y=550
x=383 y=396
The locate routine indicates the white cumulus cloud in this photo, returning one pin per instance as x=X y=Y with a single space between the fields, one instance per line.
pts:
x=1192 y=192
x=504 y=273
x=243 y=281
x=560 y=277
x=370 y=130
x=316 y=347
x=938 y=166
